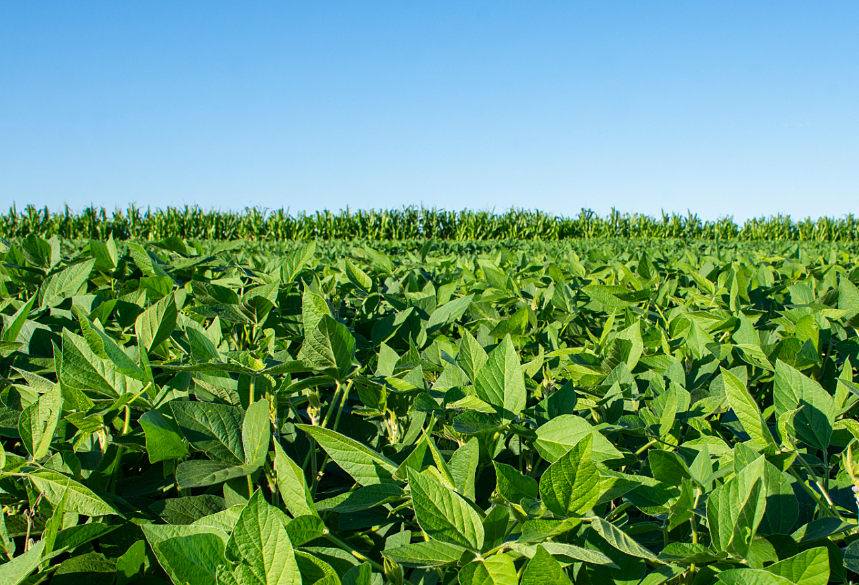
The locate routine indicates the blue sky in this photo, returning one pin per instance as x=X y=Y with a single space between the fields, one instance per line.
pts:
x=729 y=108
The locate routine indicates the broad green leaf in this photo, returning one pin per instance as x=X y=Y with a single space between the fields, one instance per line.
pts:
x=750 y=577
x=15 y=323
x=497 y=569
x=260 y=548
x=559 y=435
x=304 y=529
x=471 y=357
x=83 y=370
x=620 y=539
x=514 y=485
x=187 y=509
x=329 y=347
x=782 y=508
x=365 y=465
x=810 y=567
x=747 y=411
x=542 y=569
x=358 y=277
x=156 y=323
x=296 y=261
x=80 y=499
x=449 y=312
x=668 y=467
x=570 y=486
x=736 y=508
x=426 y=554
x=106 y=348
x=291 y=484
x=202 y=472
x=146 y=261
x=256 y=432
x=18 y=569
x=191 y=559
x=444 y=515
x=214 y=429
x=65 y=283
x=500 y=381
x=463 y=468
x=313 y=309
x=362 y=498
x=38 y=423
x=793 y=390
x=314 y=570
x=163 y=440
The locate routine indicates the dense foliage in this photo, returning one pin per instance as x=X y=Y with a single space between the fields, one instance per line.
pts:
x=419 y=412
x=409 y=223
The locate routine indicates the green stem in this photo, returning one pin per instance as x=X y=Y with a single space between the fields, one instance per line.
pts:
x=348 y=548
x=815 y=496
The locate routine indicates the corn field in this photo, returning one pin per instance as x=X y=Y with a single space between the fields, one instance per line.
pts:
x=408 y=223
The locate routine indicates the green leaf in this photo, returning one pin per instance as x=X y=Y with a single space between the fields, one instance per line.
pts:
x=426 y=554
x=214 y=429
x=191 y=559
x=18 y=569
x=620 y=539
x=848 y=300
x=449 y=312
x=146 y=261
x=83 y=370
x=38 y=423
x=65 y=283
x=329 y=347
x=810 y=567
x=292 y=485
x=793 y=390
x=256 y=432
x=202 y=472
x=15 y=323
x=570 y=486
x=156 y=323
x=106 y=348
x=365 y=465
x=782 y=508
x=313 y=309
x=463 y=468
x=187 y=509
x=542 y=569
x=358 y=277
x=495 y=570
x=362 y=499
x=444 y=515
x=80 y=499
x=295 y=262
x=736 y=508
x=514 y=485
x=260 y=548
x=750 y=577
x=130 y=565
x=163 y=440
x=668 y=467
x=471 y=357
x=315 y=571
x=559 y=435
x=304 y=529
x=747 y=411
x=500 y=381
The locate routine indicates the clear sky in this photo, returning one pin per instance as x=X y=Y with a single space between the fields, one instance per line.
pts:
x=721 y=108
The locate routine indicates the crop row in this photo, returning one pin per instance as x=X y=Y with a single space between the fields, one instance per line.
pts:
x=409 y=223
x=428 y=412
